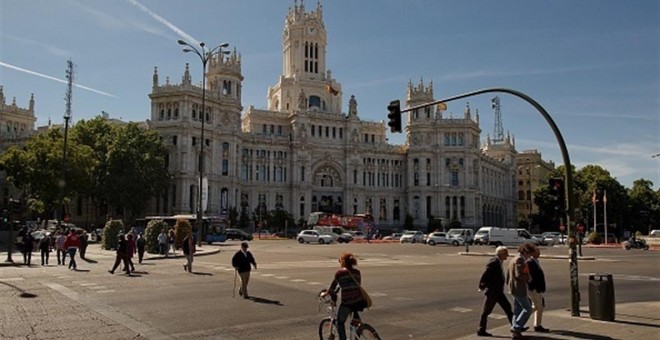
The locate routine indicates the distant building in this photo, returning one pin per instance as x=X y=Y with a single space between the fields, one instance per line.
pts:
x=16 y=127
x=533 y=172
x=304 y=154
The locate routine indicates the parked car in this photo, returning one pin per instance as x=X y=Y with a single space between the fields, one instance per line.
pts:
x=436 y=238
x=412 y=236
x=550 y=238
x=313 y=236
x=393 y=237
x=539 y=237
x=358 y=235
x=339 y=234
x=238 y=234
x=655 y=233
x=462 y=233
x=286 y=234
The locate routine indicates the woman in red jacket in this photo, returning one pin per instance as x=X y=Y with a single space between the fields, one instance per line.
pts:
x=71 y=244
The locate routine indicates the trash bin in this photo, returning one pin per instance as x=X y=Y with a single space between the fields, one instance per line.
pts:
x=601 y=297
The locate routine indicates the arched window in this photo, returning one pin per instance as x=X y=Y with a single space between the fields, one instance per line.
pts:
x=315 y=101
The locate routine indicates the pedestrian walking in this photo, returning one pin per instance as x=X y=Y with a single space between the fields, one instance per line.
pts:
x=141 y=245
x=188 y=251
x=28 y=247
x=162 y=242
x=71 y=244
x=44 y=248
x=130 y=243
x=84 y=241
x=59 y=245
x=122 y=255
x=242 y=262
x=491 y=284
x=536 y=289
x=171 y=238
x=517 y=279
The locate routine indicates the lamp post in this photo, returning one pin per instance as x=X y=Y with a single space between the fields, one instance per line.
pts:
x=204 y=55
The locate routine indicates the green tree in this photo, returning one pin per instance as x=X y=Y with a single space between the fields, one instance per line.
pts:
x=37 y=169
x=644 y=205
x=233 y=217
x=408 y=222
x=434 y=224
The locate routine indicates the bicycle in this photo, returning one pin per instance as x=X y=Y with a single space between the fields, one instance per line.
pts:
x=357 y=330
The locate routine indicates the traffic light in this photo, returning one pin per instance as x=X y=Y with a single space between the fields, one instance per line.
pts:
x=395 y=116
x=5 y=216
x=557 y=190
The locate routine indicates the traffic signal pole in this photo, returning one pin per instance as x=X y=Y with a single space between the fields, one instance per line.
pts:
x=568 y=176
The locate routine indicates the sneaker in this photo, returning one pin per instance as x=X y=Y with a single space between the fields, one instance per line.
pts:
x=483 y=333
x=541 y=329
x=111 y=272
x=185 y=268
x=516 y=335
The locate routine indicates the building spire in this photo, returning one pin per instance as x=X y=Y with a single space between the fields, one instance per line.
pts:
x=155 y=77
x=186 y=75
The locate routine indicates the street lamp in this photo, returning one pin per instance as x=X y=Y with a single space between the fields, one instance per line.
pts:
x=204 y=55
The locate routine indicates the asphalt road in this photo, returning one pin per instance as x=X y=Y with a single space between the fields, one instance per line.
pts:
x=419 y=291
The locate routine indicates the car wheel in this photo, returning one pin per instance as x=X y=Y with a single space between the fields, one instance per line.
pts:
x=431 y=243
x=321 y=241
x=301 y=241
x=454 y=243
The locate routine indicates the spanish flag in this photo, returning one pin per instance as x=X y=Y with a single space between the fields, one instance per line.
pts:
x=330 y=89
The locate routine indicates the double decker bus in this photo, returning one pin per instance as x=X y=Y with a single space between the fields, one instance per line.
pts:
x=361 y=222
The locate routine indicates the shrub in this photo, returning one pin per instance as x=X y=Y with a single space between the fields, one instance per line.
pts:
x=594 y=238
x=151 y=234
x=110 y=231
x=638 y=234
x=181 y=229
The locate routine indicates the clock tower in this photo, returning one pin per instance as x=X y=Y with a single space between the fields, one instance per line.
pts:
x=304 y=65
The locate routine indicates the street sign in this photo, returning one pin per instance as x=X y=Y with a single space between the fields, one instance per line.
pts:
x=205 y=193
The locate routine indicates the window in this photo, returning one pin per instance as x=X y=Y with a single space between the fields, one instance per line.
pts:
x=315 y=101
x=194 y=141
x=302 y=173
x=447 y=139
x=341 y=133
x=454 y=178
x=460 y=138
x=161 y=117
x=313 y=131
x=327 y=132
x=225 y=167
x=174 y=140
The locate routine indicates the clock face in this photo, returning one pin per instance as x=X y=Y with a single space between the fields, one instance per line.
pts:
x=311 y=30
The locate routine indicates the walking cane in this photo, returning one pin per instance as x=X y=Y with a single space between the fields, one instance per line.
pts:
x=233 y=292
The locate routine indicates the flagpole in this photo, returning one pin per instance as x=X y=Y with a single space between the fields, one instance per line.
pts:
x=594 y=200
x=605 y=213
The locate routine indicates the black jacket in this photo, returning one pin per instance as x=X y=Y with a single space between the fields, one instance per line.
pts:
x=242 y=261
x=493 y=277
x=538 y=278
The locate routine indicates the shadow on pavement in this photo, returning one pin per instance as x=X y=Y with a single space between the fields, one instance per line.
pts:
x=266 y=301
x=577 y=335
x=82 y=270
x=23 y=294
x=139 y=272
x=90 y=260
x=635 y=323
x=203 y=274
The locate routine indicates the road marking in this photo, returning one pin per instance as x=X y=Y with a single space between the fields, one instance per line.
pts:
x=460 y=309
x=314 y=283
x=11 y=279
x=497 y=316
x=267 y=275
x=105 y=291
x=298 y=280
x=88 y=284
x=98 y=287
x=110 y=312
x=281 y=277
x=377 y=294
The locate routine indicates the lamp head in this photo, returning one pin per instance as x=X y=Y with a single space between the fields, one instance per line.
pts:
x=181 y=42
x=224 y=45
x=187 y=50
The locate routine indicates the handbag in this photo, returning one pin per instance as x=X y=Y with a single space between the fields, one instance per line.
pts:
x=365 y=297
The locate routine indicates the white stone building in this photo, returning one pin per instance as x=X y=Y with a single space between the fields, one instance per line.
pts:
x=304 y=154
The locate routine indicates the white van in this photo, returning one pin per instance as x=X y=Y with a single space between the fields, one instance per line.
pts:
x=461 y=235
x=338 y=233
x=504 y=236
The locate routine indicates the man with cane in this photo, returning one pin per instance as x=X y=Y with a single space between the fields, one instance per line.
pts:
x=242 y=262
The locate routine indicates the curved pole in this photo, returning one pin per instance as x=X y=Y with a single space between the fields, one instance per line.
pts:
x=574 y=286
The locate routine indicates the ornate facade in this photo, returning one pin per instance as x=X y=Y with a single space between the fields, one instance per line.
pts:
x=533 y=172
x=304 y=154
x=16 y=126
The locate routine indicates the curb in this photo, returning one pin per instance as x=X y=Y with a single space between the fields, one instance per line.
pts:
x=552 y=257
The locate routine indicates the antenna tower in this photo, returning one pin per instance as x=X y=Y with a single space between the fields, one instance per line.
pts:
x=69 y=88
x=498 y=133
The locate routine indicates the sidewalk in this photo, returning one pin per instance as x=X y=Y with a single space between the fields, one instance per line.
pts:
x=95 y=248
x=638 y=320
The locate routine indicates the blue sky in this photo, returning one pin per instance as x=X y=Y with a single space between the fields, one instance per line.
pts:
x=593 y=64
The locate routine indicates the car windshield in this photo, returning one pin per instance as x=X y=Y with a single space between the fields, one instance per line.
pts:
x=410 y=233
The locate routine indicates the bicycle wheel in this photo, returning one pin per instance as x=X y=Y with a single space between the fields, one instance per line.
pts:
x=366 y=332
x=327 y=329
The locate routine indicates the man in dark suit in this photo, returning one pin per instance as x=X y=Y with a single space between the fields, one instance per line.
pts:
x=492 y=285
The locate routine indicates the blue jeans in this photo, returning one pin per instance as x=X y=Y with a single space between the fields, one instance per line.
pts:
x=342 y=315
x=522 y=310
x=72 y=256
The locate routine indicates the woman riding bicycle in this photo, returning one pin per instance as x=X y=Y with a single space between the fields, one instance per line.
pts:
x=348 y=279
